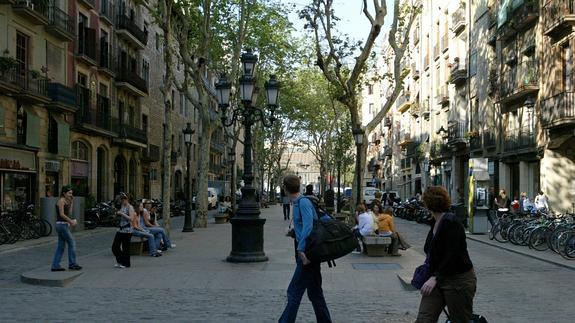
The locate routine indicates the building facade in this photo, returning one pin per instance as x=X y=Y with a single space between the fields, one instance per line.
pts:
x=475 y=91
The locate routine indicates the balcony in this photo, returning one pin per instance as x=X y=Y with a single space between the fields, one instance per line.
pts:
x=63 y=97
x=426 y=62
x=33 y=87
x=86 y=48
x=492 y=15
x=106 y=62
x=152 y=154
x=444 y=43
x=403 y=102
x=519 y=81
x=425 y=111
x=127 y=29
x=558 y=110
x=132 y=82
x=492 y=37
x=489 y=140
x=97 y=120
x=519 y=19
x=442 y=96
x=60 y=25
x=519 y=140
x=414 y=72
x=415 y=110
x=458 y=20
x=458 y=73
x=35 y=11
x=436 y=51
x=8 y=77
x=88 y=3
x=475 y=143
x=558 y=18
x=439 y=151
x=129 y=136
x=405 y=139
x=107 y=11
x=456 y=133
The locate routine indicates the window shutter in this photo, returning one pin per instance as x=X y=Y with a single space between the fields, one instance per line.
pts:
x=32 y=129
x=63 y=139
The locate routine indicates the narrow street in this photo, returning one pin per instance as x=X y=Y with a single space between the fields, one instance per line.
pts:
x=193 y=283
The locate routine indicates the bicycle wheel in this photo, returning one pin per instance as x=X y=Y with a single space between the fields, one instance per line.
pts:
x=538 y=239
x=569 y=252
x=498 y=233
x=15 y=232
x=4 y=234
x=511 y=233
x=47 y=228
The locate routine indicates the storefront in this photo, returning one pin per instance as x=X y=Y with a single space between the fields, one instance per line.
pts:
x=52 y=178
x=17 y=177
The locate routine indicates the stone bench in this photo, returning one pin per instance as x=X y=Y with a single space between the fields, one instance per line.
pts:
x=221 y=218
x=138 y=245
x=376 y=245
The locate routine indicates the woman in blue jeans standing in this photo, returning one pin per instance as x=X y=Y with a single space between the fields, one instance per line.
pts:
x=64 y=220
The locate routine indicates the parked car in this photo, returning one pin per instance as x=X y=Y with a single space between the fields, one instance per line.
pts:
x=369 y=194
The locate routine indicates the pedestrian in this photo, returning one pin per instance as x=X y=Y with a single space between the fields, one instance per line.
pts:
x=154 y=228
x=65 y=220
x=121 y=244
x=451 y=279
x=308 y=190
x=285 y=203
x=541 y=202
x=502 y=203
x=307 y=275
x=139 y=230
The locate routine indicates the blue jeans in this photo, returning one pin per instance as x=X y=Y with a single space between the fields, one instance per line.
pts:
x=305 y=278
x=152 y=243
x=64 y=237
x=160 y=235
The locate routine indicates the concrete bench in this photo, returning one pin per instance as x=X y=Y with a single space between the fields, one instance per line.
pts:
x=376 y=245
x=221 y=218
x=138 y=245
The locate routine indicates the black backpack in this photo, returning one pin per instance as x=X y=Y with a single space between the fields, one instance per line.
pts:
x=329 y=239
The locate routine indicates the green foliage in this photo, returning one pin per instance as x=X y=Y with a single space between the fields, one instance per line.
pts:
x=7 y=63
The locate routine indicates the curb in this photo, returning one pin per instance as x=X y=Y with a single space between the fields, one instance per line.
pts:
x=526 y=254
x=50 y=279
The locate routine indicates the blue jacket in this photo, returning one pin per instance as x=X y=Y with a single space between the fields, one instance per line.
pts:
x=303 y=216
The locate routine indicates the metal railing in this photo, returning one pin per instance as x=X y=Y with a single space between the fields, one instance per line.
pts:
x=129 y=132
x=124 y=22
x=84 y=104
x=458 y=19
x=555 y=10
x=39 y=6
x=125 y=75
x=62 y=94
x=9 y=75
x=32 y=81
x=107 y=9
x=557 y=108
x=517 y=78
x=456 y=131
x=103 y=118
x=475 y=143
x=519 y=138
x=489 y=139
x=60 y=19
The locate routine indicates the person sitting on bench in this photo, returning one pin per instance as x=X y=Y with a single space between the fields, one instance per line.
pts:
x=386 y=226
x=364 y=225
x=140 y=231
x=154 y=227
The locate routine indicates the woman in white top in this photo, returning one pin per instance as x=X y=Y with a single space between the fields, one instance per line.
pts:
x=364 y=225
x=541 y=202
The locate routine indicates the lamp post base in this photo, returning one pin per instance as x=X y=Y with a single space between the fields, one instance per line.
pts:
x=247 y=240
x=188 y=226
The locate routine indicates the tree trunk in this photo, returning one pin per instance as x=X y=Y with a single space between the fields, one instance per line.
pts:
x=203 y=169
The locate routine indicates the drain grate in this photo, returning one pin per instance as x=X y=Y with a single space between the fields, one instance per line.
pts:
x=387 y=266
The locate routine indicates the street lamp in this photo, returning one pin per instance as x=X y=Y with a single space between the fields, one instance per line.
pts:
x=247 y=226
x=188 y=224
x=232 y=161
x=358 y=138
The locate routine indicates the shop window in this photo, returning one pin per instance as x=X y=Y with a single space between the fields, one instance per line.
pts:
x=21 y=125
x=17 y=190
x=79 y=151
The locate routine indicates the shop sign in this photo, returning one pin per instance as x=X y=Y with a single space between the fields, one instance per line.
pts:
x=79 y=169
x=17 y=159
x=52 y=166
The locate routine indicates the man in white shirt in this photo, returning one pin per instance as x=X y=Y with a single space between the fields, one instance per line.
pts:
x=541 y=202
x=364 y=225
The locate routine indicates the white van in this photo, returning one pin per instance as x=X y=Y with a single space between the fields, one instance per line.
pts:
x=369 y=194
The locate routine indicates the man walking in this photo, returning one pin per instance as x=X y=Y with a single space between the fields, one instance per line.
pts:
x=285 y=203
x=307 y=275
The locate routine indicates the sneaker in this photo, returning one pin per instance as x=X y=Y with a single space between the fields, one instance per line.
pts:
x=58 y=269
x=356 y=252
x=119 y=266
x=159 y=251
x=75 y=267
x=157 y=254
x=172 y=246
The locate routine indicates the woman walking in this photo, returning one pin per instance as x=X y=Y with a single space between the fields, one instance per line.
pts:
x=64 y=220
x=451 y=279
x=121 y=244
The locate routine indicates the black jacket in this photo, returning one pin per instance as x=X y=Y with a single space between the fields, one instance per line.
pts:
x=447 y=253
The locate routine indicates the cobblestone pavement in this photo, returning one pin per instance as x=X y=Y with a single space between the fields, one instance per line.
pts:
x=193 y=283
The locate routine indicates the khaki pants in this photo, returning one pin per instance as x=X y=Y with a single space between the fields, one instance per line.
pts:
x=456 y=292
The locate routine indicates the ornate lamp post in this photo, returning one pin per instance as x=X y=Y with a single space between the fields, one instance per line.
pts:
x=232 y=161
x=247 y=226
x=188 y=224
x=358 y=138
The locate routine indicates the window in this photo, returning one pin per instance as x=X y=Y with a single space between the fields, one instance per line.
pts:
x=473 y=63
x=22 y=51
x=131 y=116
x=21 y=125
x=371 y=108
x=52 y=135
x=79 y=151
x=103 y=90
x=83 y=79
x=567 y=62
x=370 y=89
x=146 y=70
x=145 y=123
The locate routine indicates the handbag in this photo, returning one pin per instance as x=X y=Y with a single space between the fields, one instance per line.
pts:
x=422 y=273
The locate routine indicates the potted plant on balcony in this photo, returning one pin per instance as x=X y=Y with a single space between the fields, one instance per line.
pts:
x=471 y=134
x=7 y=63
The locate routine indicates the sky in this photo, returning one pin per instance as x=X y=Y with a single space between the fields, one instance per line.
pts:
x=353 y=22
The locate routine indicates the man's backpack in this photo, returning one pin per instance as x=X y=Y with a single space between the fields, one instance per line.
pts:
x=329 y=239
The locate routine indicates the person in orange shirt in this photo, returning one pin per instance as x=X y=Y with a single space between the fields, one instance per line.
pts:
x=386 y=226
